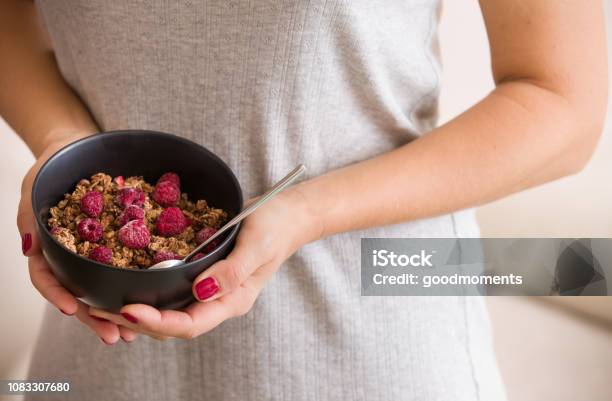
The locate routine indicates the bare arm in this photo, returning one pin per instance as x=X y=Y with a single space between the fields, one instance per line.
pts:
x=540 y=123
x=34 y=98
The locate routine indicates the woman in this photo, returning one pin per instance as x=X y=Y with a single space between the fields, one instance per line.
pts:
x=347 y=88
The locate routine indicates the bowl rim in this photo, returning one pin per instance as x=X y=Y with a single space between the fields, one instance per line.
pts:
x=67 y=148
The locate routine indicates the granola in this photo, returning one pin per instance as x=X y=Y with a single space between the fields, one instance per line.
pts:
x=136 y=243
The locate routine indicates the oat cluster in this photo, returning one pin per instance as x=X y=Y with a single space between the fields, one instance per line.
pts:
x=130 y=237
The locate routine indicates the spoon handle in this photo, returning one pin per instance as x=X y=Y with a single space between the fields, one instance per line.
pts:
x=278 y=187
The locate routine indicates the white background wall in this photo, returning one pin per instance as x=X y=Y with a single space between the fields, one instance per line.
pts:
x=545 y=353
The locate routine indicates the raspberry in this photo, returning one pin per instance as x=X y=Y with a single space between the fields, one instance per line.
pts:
x=130 y=213
x=92 y=203
x=170 y=177
x=166 y=194
x=101 y=254
x=135 y=235
x=197 y=256
x=130 y=196
x=205 y=234
x=171 y=221
x=90 y=230
x=160 y=256
x=119 y=180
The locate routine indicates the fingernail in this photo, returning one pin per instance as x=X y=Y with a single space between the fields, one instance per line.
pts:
x=65 y=313
x=206 y=288
x=104 y=341
x=99 y=319
x=26 y=242
x=129 y=318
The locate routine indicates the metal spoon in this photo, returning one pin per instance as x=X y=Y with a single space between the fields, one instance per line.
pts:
x=278 y=187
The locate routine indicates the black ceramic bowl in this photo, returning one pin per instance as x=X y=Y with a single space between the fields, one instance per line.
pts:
x=129 y=153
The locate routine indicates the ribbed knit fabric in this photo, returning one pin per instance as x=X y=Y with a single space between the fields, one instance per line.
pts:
x=267 y=85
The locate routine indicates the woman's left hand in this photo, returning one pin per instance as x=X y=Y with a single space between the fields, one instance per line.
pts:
x=230 y=287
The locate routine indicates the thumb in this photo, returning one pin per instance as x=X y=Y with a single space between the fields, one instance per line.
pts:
x=228 y=274
x=26 y=223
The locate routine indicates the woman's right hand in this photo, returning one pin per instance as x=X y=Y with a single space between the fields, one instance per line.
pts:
x=40 y=274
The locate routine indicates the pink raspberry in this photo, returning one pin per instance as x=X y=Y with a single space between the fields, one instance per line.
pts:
x=92 y=203
x=135 y=235
x=205 y=234
x=130 y=213
x=162 y=255
x=166 y=194
x=171 y=221
x=197 y=256
x=119 y=180
x=130 y=196
x=90 y=230
x=101 y=254
x=170 y=177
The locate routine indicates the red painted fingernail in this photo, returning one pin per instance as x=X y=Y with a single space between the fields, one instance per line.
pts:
x=26 y=242
x=129 y=318
x=99 y=319
x=206 y=288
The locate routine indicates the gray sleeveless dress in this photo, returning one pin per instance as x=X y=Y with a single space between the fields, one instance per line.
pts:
x=265 y=85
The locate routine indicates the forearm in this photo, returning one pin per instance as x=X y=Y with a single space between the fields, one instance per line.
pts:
x=34 y=98
x=519 y=136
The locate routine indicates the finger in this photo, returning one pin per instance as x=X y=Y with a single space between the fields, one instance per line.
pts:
x=47 y=285
x=208 y=315
x=106 y=330
x=130 y=322
x=166 y=323
x=113 y=317
x=251 y=251
x=127 y=335
x=157 y=336
x=197 y=319
x=26 y=224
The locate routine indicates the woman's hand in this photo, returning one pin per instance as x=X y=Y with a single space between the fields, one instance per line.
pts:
x=230 y=287
x=40 y=274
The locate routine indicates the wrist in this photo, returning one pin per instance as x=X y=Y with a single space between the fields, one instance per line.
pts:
x=57 y=138
x=306 y=217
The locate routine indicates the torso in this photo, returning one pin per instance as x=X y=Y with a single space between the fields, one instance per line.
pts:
x=267 y=85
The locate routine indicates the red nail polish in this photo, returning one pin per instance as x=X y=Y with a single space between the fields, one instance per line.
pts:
x=26 y=242
x=129 y=318
x=99 y=319
x=206 y=288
